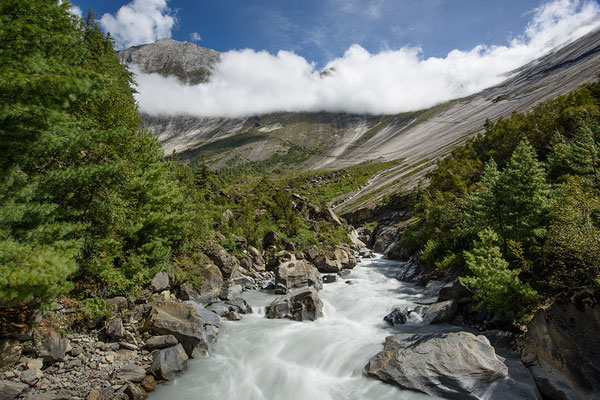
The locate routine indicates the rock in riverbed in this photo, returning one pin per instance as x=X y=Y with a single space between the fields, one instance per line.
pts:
x=299 y=305
x=456 y=365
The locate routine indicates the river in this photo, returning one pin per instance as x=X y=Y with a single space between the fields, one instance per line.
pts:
x=263 y=359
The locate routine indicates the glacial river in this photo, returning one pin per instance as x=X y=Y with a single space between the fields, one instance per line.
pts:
x=263 y=359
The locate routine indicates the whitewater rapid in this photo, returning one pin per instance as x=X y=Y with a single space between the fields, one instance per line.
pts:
x=264 y=359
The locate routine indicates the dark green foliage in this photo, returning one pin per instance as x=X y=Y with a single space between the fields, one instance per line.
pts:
x=504 y=181
x=498 y=288
x=82 y=187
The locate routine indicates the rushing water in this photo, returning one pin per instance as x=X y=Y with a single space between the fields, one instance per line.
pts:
x=259 y=358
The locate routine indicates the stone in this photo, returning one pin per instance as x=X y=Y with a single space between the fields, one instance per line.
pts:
x=11 y=390
x=187 y=292
x=233 y=315
x=148 y=383
x=227 y=264
x=54 y=347
x=209 y=289
x=296 y=274
x=396 y=317
x=230 y=292
x=168 y=362
x=36 y=363
x=181 y=321
x=271 y=238
x=129 y=372
x=31 y=376
x=441 y=312
x=218 y=308
x=115 y=329
x=240 y=305
x=10 y=352
x=160 y=282
x=258 y=262
x=118 y=303
x=244 y=281
x=126 y=355
x=75 y=351
x=93 y=395
x=300 y=305
x=161 y=342
x=135 y=392
x=450 y=365
x=329 y=278
x=345 y=257
x=564 y=338
x=457 y=291
x=208 y=317
x=343 y=273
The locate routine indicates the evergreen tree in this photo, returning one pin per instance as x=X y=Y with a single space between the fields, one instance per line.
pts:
x=497 y=287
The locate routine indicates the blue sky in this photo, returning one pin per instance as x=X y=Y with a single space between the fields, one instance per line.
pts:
x=385 y=56
x=321 y=30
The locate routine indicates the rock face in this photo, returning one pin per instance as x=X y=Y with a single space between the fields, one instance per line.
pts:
x=295 y=274
x=169 y=362
x=452 y=365
x=299 y=305
x=181 y=321
x=438 y=313
x=186 y=61
x=562 y=349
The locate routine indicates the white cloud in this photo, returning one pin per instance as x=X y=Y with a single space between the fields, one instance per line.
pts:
x=75 y=11
x=248 y=82
x=139 y=22
x=195 y=37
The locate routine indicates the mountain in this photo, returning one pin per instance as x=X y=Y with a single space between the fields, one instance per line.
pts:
x=338 y=140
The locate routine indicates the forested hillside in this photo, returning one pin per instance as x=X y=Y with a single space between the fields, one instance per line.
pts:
x=517 y=209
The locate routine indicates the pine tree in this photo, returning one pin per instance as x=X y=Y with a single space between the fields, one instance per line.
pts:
x=498 y=288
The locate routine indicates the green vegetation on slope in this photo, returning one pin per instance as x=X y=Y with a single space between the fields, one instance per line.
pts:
x=518 y=208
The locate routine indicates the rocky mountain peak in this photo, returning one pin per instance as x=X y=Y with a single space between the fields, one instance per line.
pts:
x=187 y=61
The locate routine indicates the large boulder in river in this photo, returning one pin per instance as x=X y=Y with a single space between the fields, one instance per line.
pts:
x=561 y=347
x=228 y=264
x=180 y=320
x=299 y=305
x=331 y=261
x=450 y=365
x=296 y=274
x=438 y=313
x=169 y=362
x=209 y=289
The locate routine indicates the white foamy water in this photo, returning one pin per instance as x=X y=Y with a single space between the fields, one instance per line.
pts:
x=263 y=359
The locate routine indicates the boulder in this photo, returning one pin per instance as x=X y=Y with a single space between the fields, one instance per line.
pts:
x=258 y=263
x=134 y=392
x=279 y=258
x=208 y=317
x=31 y=376
x=396 y=251
x=330 y=278
x=299 y=305
x=227 y=264
x=11 y=390
x=129 y=372
x=160 y=282
x=345 y=257
x=457 y=291
x=10 y=352
x=218 y=308
x=240 y=305
x=438 y=313
x=271 y=238
x=563 y=341
x=180 y=320
x=169 y=362
x=396 y=317
x=450 y=365
x=296 y=274
x=229 y=292
x=54 y=347
x=161 y=342
x=115 y=329
x=209 y=289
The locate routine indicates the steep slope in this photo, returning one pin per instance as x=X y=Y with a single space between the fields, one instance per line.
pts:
x=334 y=141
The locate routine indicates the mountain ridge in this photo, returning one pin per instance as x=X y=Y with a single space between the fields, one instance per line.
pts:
x=337 y=140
